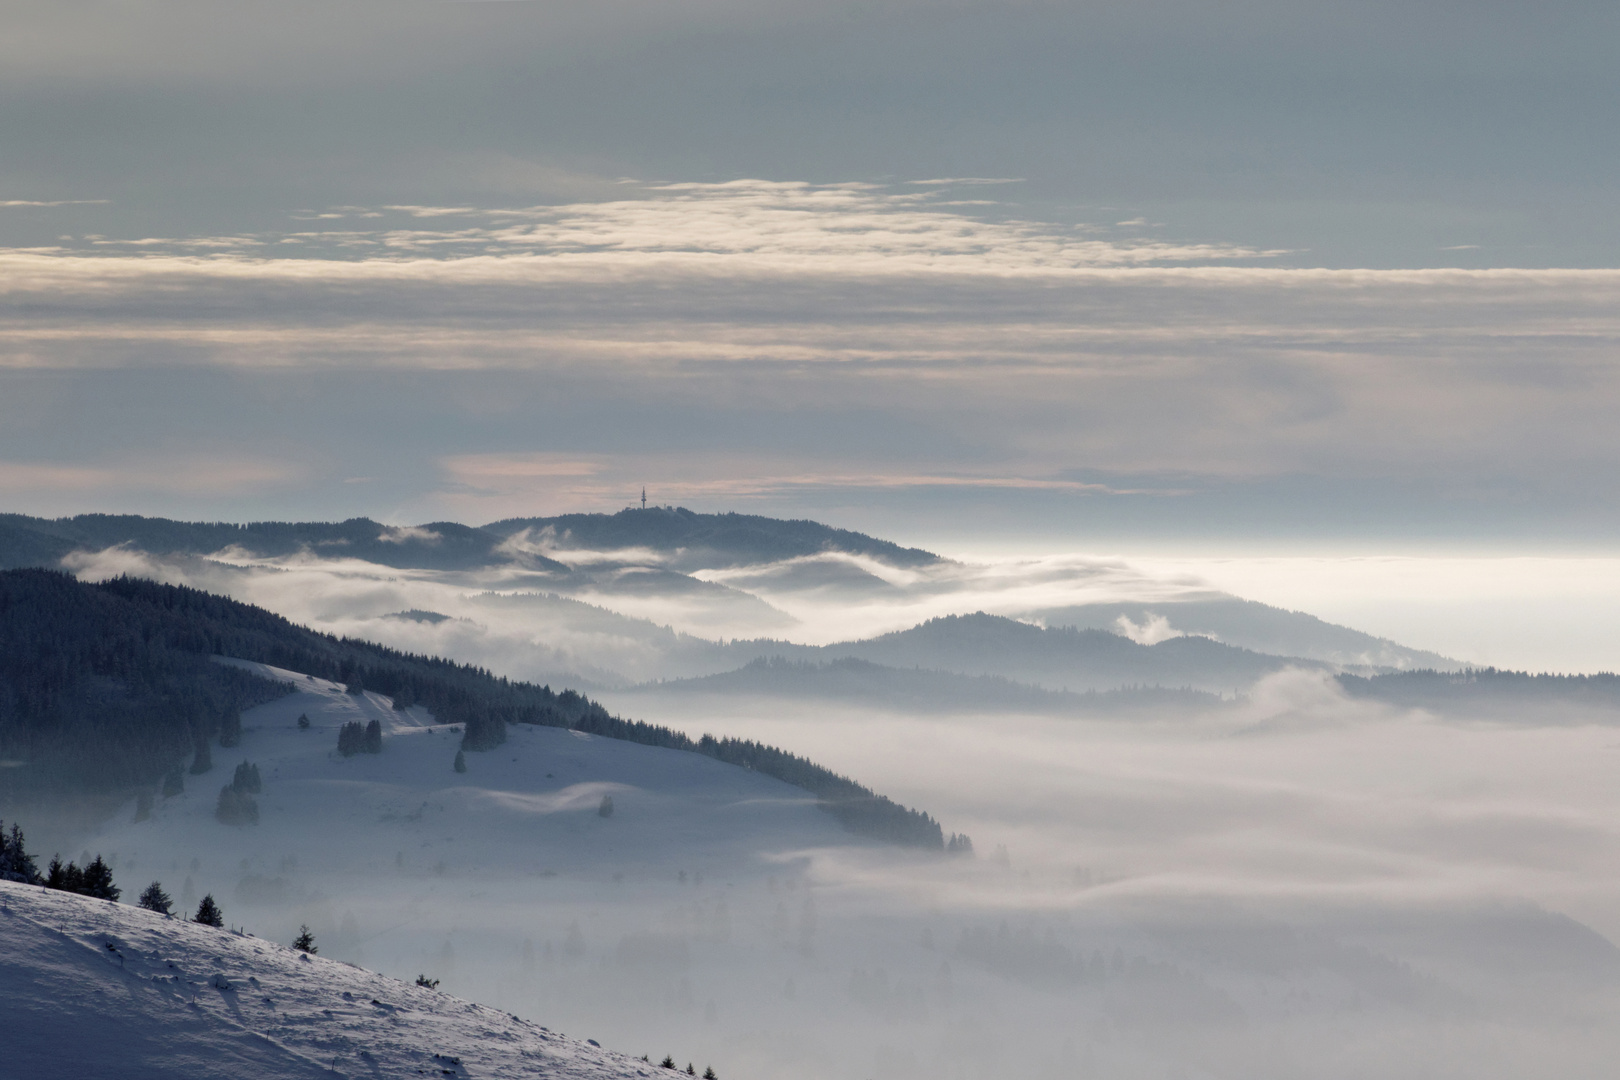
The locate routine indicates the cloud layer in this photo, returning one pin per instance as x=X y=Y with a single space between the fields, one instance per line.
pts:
x=783 y=341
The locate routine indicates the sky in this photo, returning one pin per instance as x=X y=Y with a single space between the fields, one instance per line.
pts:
x=1253 y=276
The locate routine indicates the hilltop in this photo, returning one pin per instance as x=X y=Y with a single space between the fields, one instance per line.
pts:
x=692 y=541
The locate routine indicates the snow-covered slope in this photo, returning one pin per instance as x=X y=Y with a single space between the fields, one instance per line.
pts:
x=90 y=988
x=528 y=808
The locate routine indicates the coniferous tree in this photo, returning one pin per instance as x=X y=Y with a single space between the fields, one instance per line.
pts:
x=461 y=761
x=483 y=732
x=351 y=738
x=15 y=862
x=236 y=807
x=373 y=743
x=667 y=1063
x=203 y=761
x=97 y=881
x=67 y=878
x=303 y=721
x=606 y=808
x=689 y=1070
x=230 y=728
x=356 y=686
x=708 y=1074
x=423 y=980
x=208 y=913
x=305 y=941
x=247 y=780
x=153 y=898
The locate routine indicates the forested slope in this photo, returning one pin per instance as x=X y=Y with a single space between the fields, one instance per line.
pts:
x=110 y=685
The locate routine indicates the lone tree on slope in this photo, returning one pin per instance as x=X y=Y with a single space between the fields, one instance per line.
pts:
x=305 y=941
x=461 y=761
x=153 y=898
x=208 y=913
x=236 y=807
x=247 y=779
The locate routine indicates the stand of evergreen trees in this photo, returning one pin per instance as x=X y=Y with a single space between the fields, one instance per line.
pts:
x=357 y=738
x=15 y=862
x=100 y=696
x=108 y=686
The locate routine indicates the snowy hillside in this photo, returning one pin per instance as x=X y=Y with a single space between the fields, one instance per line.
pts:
x=95 y=989
x=519 y=817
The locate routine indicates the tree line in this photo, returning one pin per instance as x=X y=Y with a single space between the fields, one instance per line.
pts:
x=104 y=686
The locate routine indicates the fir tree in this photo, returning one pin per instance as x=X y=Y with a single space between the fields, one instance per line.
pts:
x=247 y=781
x=708 y=1074
x=483 y=732
x=203 y=761
x=689 y=1070
x=236 y=807
x=303 y=721
x=97 y=881
x=461 y=761
x=208 y=913
x=305 y=941
x=667 y=1063
x=15 y=862
x=153 y=898
x=373 y=743
x=606 y=809
x=356 y=686
x=67 y=878
x=230 y=728
x=351 y=738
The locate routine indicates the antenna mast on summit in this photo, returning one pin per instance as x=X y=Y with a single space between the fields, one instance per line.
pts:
x=644 y=498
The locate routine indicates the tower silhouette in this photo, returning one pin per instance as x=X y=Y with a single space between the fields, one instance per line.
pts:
x=644 y=498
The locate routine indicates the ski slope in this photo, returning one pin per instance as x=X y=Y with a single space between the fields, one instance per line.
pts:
x=90 y=988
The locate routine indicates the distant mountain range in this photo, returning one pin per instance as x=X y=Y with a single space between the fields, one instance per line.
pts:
x=855 y=682
x=683 y=540
x=727 y=573
x=691 y=541
x=1252 y=625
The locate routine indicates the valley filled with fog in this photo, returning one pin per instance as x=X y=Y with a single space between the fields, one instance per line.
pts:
x=1210 y=837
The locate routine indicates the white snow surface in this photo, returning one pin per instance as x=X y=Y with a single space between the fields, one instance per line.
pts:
x=90 y=988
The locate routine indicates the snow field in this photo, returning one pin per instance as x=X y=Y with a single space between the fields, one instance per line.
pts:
x=90 y=988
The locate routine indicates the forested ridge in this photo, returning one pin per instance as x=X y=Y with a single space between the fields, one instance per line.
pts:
x=1493 y=686
x=109 y=686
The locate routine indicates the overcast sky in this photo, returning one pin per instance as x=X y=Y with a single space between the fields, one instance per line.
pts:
x=1099 y=273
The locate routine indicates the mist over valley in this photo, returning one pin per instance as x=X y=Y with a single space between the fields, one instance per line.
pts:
x=1170 y=847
